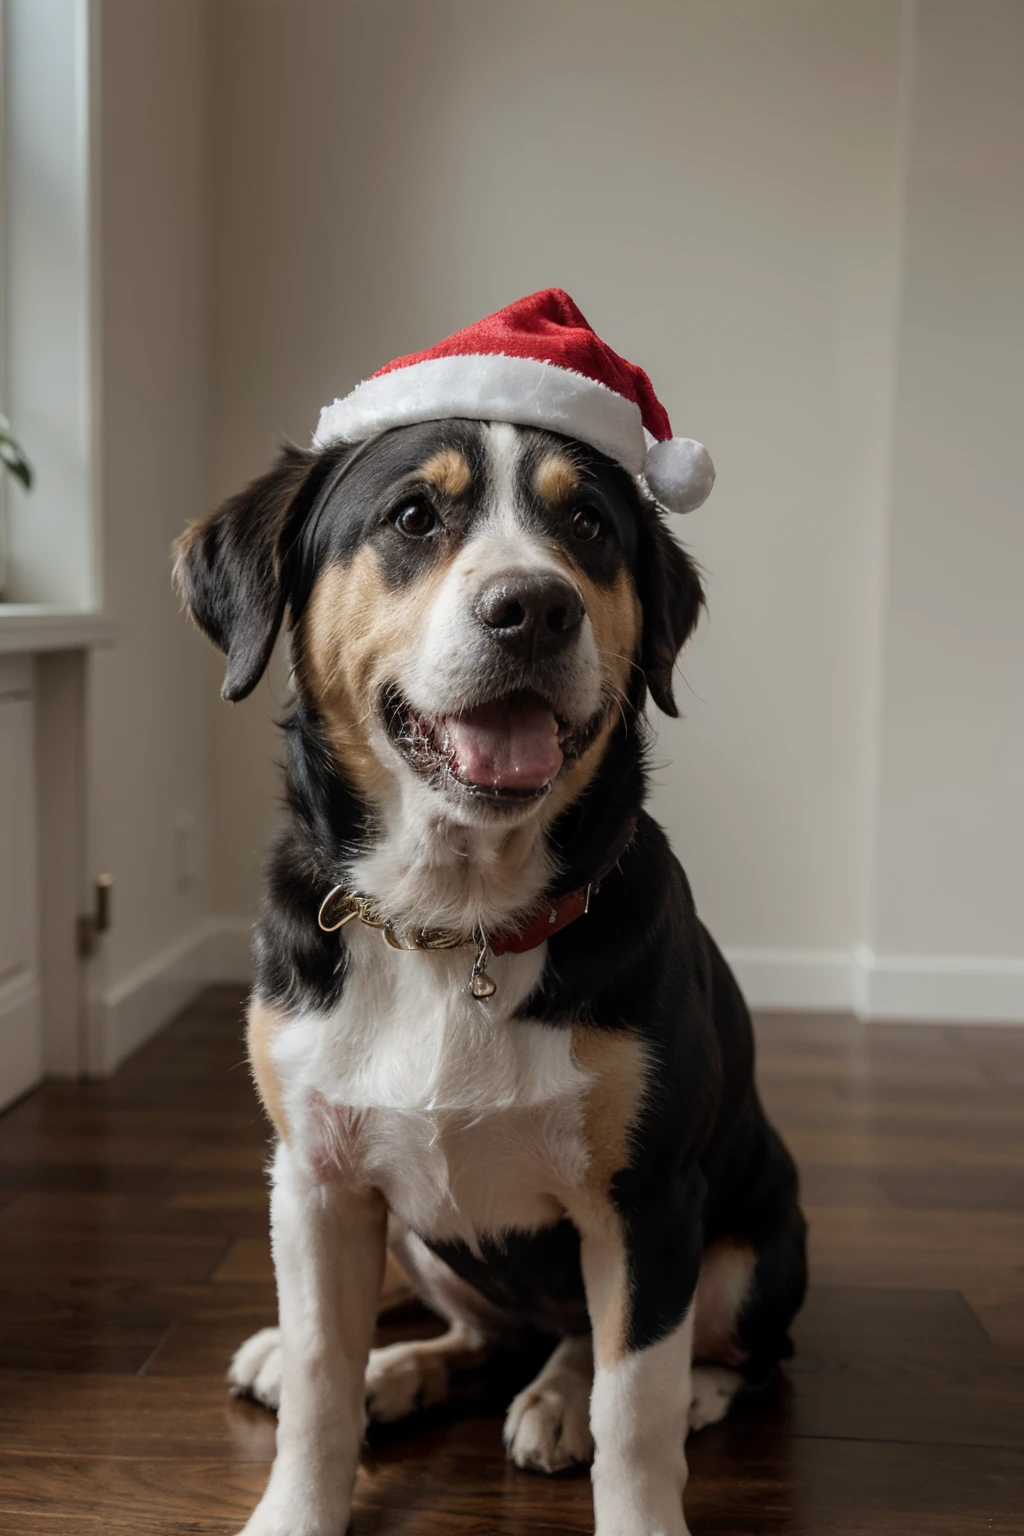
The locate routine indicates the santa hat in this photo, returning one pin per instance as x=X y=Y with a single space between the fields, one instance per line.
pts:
x=536 y=363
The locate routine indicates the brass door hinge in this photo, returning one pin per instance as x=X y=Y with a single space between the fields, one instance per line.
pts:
x=92 y=924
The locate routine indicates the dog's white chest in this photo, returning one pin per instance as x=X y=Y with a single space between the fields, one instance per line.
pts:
x=467 y=1119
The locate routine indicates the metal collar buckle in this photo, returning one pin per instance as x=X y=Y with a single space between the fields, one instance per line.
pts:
x=340 y=907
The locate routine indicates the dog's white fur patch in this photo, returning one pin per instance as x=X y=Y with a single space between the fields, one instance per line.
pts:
x=467 y=1123
x=328 y=1244
x=638 y=1414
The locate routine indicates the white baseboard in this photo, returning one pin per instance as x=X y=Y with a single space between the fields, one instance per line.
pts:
x=139 y=1005
x=21 y=1060
x=804 y=979
x=964 y=989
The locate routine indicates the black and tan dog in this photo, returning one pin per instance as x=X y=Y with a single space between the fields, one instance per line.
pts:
x=487 y=1023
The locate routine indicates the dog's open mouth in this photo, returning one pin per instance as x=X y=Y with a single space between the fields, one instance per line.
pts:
x=506 y=749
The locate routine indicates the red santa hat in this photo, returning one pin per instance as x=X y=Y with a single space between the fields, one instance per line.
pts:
x=536 y=363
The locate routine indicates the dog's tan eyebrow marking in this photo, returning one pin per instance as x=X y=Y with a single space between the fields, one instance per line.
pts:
x=448 y=469
x=557 y=478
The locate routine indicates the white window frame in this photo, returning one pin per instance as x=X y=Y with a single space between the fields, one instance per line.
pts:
x=51 y=299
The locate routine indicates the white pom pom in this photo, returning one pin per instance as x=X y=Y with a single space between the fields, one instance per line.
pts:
x=679 y=473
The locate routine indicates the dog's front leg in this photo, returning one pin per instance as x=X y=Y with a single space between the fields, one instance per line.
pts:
x=640 y=1276
x=329 y=1246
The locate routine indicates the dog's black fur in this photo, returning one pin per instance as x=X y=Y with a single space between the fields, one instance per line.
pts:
x=705 y=1164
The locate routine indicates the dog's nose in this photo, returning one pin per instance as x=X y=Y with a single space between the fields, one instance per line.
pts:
x=530 y=612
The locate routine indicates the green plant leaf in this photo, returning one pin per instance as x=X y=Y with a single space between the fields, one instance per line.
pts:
x=13 y=455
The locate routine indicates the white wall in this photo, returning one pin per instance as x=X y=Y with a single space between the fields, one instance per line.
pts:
x=816 y=262
x=951 y=828
x=151 y=705
x=705 y=180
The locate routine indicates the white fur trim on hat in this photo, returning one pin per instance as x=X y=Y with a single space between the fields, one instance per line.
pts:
x=490 y=387
x=527 y=392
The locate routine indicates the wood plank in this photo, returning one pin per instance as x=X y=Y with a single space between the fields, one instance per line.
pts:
x=959 y=1189
x=216 y=1212
x=129 y=1416
x=901 y=1365
x=248 y=1258
x=888 y=1247
x=1000 y=1313
x=101 y=1493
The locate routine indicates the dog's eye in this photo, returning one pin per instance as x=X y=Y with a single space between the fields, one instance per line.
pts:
x=587 y=524
x=416 y=519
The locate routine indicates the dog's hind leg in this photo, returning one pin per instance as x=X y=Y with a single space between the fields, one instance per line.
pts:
x=415 y=1374
x=255 y=1370
x=548 y=1424
x=712 y=1389
x=399 y=1378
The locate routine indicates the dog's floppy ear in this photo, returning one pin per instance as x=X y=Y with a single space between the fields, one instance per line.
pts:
x=228 y=565
x=671 y=596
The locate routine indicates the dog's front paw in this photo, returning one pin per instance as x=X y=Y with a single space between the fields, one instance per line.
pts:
x=274 y=1521
x=548 y=1427
x=255 y=1372
x=301 y=1501
x=402 y=1378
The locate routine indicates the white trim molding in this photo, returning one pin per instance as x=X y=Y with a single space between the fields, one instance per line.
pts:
x=19 y=1028
x=34 y=627
x=137 y=1007
x=810 y=979
x=963 y=989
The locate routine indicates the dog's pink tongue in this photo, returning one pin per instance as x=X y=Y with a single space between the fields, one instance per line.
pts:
x=511 y=745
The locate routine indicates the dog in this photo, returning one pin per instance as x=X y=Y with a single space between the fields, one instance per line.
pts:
x=486 y=1023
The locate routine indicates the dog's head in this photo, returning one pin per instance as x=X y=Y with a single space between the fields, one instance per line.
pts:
x=471 y=606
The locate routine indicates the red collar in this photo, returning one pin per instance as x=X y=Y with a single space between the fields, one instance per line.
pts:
x=549 y=920
x=340 y=907
x=558 y=914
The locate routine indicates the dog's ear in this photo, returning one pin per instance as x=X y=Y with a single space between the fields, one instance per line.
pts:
x=228 y=565
x=671 y=596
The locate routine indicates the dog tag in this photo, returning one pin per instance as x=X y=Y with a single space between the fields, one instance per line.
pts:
x=482 y=987
x=480 y=984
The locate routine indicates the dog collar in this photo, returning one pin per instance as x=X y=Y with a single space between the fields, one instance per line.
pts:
x=341 y=907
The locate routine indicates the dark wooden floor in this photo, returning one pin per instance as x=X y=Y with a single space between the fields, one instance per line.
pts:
x=134 y=1257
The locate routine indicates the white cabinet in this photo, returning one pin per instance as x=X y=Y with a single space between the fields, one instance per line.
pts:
x=20 y=1012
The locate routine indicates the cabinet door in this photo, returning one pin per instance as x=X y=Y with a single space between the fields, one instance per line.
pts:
x=20 y=1027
